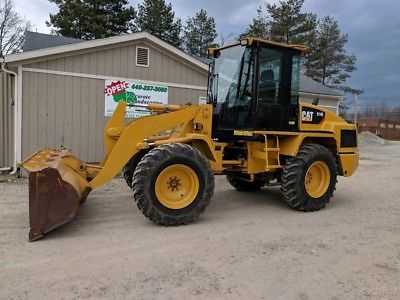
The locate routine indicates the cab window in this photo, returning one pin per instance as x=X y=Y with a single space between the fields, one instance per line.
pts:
x=270 y=80
x=295 y=86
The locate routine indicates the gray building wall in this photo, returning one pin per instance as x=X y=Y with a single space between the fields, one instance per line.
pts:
x=325 y=101
x=68 y=111
x=6 y=120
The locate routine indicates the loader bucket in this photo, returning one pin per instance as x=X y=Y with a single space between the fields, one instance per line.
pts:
x=57 y=186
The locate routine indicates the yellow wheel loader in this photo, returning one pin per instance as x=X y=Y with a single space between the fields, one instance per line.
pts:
x=253 y=130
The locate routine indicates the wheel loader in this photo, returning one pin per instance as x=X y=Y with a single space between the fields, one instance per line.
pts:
x=253 y=130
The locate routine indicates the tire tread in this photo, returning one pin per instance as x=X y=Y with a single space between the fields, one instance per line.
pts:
x=144 y=171
x=290 y=177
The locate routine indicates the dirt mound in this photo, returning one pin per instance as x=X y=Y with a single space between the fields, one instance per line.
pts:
x=368 y=138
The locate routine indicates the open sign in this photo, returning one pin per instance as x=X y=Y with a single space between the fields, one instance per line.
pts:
x=116 y=88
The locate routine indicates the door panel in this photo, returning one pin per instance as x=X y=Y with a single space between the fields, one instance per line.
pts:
x=235 y=111
x=270 y=111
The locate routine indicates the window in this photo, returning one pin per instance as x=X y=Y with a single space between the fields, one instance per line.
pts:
x=398 y=126
x=269 y=76
x=390 y=125
x=142 y=57
x=294 y=93
x=240 y=88
x=383 y=125
x=228 y=71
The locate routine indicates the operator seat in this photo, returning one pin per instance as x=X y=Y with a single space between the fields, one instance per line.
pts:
x=267 y=87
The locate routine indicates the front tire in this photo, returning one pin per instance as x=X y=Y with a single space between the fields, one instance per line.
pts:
x=309 y=179
x=173 y=184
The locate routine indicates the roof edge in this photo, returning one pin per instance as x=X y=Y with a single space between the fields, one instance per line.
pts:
x=320 y=94
x=101 y=42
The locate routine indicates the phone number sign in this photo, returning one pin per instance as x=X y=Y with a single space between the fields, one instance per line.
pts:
x=133 y=93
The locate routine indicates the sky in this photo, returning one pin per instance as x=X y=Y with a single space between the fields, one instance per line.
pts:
x=373 y=28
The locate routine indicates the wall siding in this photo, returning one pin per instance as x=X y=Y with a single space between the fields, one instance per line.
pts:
x=120 y=62
x=323 y=101
x=6 y=120
x=63 y=111
x=66 y=111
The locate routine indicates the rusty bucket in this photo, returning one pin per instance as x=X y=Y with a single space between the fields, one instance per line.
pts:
x=57 y=186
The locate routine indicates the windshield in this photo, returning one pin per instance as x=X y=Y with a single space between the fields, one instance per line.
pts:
x=230 y=76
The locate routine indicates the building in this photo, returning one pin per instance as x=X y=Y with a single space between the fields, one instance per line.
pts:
x=311 y=90
x=384 y=128
x=59 y=91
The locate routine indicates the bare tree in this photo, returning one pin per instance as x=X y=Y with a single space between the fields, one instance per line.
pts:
x=12 y=28
x=225 y=38
x=381 y=110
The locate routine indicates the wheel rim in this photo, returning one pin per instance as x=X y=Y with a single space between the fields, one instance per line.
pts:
x=177 y=186
x=317 y=179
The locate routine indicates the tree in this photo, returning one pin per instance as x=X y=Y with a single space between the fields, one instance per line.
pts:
x=92 y=19
x=199 y=34
x=225 y=38
x=327 y=61
x=348 y=100
x=344 y=106
x=259 y=26
x=158 y=18
x=13 y=28
x=288 y=24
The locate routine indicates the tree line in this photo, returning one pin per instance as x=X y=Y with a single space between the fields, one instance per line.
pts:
x=326 y=62
x=94 y=19
x=380 y=111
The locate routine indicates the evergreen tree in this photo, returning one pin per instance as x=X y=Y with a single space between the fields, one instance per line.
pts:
x=157 y=18
x=92 y=19
x=288 y=24
x=259 y=26
x=327 y=61
x=199 y=34
x=283 y=22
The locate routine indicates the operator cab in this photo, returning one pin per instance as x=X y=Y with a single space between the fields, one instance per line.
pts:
x=254 y=85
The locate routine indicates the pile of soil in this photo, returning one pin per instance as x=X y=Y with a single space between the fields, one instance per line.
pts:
x=368 y=138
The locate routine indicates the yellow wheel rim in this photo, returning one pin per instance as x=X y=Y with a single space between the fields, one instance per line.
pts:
x=317 y=179
x=177 y=186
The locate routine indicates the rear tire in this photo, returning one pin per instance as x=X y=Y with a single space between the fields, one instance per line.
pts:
x=130 y=167
x=173 y=184
x=309 y=179
x=243 y=185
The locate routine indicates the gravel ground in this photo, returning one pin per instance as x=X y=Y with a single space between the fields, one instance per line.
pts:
x=248 y=246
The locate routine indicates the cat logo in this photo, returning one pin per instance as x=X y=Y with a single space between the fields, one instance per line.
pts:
x=307 y=116
x=312 y=116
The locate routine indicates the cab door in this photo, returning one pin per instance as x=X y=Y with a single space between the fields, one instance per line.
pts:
x=275 y=110
x=235 y=111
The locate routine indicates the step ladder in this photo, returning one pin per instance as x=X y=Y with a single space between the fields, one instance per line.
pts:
x=275 y=150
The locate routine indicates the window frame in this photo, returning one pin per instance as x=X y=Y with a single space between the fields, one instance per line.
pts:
x=280 y=75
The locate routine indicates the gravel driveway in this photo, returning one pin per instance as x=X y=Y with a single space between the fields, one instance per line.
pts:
x=246 y=245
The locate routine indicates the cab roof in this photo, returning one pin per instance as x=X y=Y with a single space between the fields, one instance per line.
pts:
x=252 y=40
